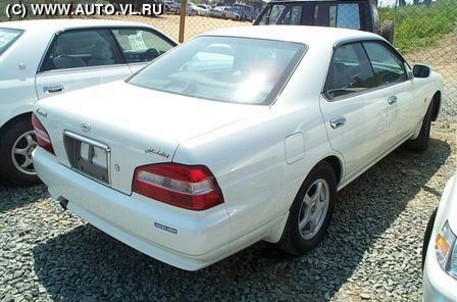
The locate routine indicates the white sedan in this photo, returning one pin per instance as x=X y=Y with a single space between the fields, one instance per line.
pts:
x=237 y=136
x=46 y=57
x=440 y=248
x=223 y=12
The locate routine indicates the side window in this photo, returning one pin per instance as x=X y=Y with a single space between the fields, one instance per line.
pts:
x=325 y=15
x=81 y=48
x=141 y=45
x=387 y=66
x=349 y=71
x=348 y=16
x=282 y=14
x=291 y=16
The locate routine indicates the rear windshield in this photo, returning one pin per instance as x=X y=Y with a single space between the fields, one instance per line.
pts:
x=237 y=70
x=7 y=38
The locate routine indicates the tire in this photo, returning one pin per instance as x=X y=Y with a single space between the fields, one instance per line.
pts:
x=420 y=144
x=16 y=146
x=387 y=31
x=310 y=212
x=427 y=235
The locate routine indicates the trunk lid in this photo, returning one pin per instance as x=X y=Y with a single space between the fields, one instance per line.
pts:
x=135 y=126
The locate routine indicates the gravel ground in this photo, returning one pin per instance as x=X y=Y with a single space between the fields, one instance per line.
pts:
x=371 y=252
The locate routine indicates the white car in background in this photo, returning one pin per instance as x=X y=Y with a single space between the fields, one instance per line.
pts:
x=440 y=249
x=46 y=57
x=239 y=135
x=224 y=12
x=202 y=9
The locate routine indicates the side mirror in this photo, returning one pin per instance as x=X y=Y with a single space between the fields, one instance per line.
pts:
x=421 y=71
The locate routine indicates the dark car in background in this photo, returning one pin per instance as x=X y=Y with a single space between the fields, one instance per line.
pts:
x=352 y=14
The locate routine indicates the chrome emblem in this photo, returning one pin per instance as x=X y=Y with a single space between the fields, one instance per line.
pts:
x=85 y=127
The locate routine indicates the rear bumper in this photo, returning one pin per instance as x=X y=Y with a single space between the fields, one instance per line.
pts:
x=186 y=239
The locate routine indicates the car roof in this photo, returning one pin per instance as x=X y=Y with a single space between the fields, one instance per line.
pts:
x=65 y=24
x=309 y=35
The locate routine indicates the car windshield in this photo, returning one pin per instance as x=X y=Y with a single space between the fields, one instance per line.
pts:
x=237 y=70
x=7 y=38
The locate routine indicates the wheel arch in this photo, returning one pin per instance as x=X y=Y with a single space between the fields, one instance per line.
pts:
x=336 y=165
x=436 y=101
x=14 y=120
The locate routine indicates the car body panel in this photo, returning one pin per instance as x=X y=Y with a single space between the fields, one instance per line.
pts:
x=30 y=72
x=159 y=126
x=259 y=155
x=437 y=284
x=17 y=85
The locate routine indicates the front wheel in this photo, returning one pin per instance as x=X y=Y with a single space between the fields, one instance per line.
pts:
x=310 y=212
x=421 y=142
x=16 y=146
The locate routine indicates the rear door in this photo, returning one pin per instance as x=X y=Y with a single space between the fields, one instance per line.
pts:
x=78 y=59
x=86 y=57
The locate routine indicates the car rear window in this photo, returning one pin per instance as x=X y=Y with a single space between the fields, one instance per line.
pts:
x=237 y=70
x=7 y=38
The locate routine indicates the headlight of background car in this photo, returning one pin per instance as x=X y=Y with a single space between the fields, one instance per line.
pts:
x=446 y=250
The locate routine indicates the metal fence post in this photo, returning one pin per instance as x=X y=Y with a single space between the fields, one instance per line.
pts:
x=182 y=20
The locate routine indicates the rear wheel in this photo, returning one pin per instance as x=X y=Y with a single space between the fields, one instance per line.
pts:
x=310 y=212
x=16 y=145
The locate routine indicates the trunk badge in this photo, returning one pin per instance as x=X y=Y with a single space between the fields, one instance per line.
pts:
x=85 y=126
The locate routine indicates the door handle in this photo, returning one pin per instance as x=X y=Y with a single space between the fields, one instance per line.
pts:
x=53 y=89
x=392 y=100
x=337 y=122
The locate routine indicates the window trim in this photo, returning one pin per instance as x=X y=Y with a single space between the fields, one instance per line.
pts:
x=368 y=90
x=396 y=54
x=53 y=37
x=57 y=34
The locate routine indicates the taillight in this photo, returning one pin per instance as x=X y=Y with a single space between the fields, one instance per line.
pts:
x=190 y=187
x=42 y=135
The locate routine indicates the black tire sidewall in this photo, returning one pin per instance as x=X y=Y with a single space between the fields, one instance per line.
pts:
x=427 y=235
x=421 y=142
